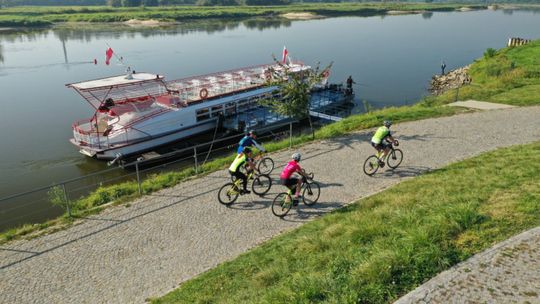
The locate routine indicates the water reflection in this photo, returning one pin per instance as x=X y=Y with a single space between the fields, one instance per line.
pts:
x=427 y=15
x=86 y=33
x=1 y=54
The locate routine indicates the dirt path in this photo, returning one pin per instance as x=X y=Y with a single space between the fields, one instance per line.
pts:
x=127 y=254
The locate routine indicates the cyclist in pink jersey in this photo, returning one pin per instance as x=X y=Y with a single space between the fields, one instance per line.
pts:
x=286 y=176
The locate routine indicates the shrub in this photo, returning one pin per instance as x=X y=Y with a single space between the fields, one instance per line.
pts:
x=490 y=52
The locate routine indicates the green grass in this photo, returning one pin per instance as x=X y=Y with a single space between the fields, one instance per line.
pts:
x=39 y=16
x=511 y=76
x=383 y=246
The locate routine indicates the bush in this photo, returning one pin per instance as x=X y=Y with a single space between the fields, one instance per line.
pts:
x=490 y=52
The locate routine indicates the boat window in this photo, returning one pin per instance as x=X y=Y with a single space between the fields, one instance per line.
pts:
x=243 y=105
x=216 y=110
x=203 y=114
x=230 y=109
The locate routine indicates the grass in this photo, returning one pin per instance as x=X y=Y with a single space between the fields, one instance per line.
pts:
x=42 y=16
x=510 y=76
x=381 y=247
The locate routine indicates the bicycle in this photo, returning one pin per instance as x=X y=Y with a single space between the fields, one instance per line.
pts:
x=393 y=159
x=283 y=202
x=260 y=185
x=264 y=165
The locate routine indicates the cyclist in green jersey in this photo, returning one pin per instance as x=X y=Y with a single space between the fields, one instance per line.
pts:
x=245 y=157
x=380 y=141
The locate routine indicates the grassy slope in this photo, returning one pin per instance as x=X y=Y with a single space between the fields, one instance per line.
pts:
x=383 y=246
x=28 y=16
x=512 y=76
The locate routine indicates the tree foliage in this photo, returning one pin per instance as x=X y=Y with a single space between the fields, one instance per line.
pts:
x=295 y=90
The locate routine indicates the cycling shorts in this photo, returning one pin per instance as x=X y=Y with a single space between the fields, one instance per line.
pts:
x=382 y=145
x=289 y=182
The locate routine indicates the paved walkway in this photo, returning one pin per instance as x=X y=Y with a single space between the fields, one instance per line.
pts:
x=127 y=254
x=480 y=105
x=508 y=272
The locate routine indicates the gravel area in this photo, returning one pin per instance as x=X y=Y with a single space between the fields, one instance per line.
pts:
x=127 y=254
x=509 y=272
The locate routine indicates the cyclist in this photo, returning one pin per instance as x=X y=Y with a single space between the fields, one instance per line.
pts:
x=249 y=141
x=286 y=176
x=380 y=140
x=245 y=157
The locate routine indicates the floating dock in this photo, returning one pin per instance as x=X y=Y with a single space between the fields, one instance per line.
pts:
x=328 y=103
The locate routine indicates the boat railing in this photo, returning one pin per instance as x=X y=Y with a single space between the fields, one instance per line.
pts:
x=194 y=89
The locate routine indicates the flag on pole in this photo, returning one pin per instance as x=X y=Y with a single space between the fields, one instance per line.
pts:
x=108 y=55
x=285 y=54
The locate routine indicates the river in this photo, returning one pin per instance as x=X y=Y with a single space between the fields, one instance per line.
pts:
x=392 y=58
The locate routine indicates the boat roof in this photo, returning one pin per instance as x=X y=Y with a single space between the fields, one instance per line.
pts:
x=115 y=81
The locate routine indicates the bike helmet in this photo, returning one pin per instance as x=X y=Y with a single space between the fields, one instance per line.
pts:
x=246 y=150
x=296 y=156
x=387 y=123
x=252 y=132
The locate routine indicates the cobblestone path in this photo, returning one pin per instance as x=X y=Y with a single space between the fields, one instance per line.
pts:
x=509 y=272
x=127 y=254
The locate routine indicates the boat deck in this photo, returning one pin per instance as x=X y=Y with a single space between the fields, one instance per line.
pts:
x=327 y=103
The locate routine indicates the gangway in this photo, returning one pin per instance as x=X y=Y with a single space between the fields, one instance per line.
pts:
x=324 y=116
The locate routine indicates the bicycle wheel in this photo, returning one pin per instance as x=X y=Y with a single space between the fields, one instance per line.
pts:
x=311 y=193
x=228 y=194
x=394 y=158
x=371 y=165
x=261 y=184
x=280 y=206
x=266 y=165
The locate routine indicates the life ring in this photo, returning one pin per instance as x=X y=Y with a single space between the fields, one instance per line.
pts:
x=268 y=75
x=203 y=93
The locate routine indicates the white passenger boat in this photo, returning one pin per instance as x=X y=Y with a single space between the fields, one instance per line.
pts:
x=140 y=111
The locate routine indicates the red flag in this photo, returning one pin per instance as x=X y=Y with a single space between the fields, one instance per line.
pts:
x=108 y=56
x=285 y=54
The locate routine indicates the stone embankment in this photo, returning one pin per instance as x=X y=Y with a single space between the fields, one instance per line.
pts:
x=452 y=80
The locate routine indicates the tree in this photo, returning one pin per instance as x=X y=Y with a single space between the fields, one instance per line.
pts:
x=295 y=91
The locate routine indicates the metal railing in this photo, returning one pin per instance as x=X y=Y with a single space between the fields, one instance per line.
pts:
x=45 y=203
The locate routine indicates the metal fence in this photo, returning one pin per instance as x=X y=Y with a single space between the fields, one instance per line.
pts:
x=42 y=204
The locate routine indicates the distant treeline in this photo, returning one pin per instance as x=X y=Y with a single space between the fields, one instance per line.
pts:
x=133 y=3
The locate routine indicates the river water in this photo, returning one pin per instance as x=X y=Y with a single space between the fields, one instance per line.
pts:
x=392 y=58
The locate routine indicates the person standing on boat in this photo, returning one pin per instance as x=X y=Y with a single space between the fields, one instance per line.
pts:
x=249 y=141
x=350 y=82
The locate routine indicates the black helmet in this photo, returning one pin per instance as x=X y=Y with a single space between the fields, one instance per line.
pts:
x=387 y=123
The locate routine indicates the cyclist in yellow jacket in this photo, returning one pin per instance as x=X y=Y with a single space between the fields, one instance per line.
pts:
x=380 y=141
x=245 y=157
